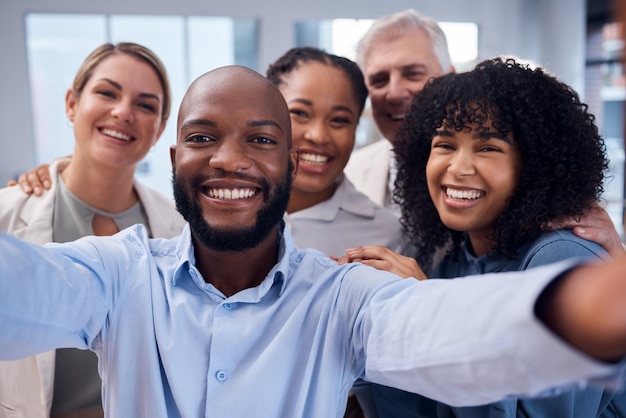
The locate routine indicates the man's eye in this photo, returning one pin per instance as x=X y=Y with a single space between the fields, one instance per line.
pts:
x=262 y=140
x=415 y=75
x=378 y=82
x=199 y=139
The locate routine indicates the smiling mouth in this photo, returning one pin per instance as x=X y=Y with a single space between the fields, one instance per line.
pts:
x=463 y=194
x=398 y=117
x=314 y=159
x=230 y=194
x=116 y=135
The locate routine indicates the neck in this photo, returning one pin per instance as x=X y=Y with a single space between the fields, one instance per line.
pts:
x=480 y=241
x=105 y=188
x=233 y=271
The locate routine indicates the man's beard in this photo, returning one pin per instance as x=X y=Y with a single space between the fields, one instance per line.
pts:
x=234 y=239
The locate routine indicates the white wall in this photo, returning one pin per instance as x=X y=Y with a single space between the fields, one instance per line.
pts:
x=550 y=32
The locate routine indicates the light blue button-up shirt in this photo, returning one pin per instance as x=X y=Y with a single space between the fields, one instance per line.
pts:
x=171 y=345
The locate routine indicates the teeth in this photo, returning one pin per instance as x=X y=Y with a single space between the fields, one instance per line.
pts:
x=463 y=194
x=115 y=134
x=231 y=194
x=398 y=117
x=314 y=159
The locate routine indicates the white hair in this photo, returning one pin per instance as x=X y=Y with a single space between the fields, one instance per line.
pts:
x=399 y=23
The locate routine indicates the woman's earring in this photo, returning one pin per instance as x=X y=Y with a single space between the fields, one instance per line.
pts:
x=69 y=123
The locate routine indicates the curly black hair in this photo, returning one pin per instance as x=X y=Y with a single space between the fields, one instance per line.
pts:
x=291 y=59
x=563 y=156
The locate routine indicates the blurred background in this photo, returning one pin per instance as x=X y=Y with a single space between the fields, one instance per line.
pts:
x=44 y=41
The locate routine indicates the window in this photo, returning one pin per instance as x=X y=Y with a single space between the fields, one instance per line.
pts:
x=605 y=93
x=188 y=46
x=340 y=37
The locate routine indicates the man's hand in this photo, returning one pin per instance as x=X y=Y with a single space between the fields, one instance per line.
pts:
x=595 y=226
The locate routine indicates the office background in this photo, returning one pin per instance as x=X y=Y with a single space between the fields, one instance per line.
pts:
x=551 y=33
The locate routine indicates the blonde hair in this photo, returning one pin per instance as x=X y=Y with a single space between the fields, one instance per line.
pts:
x=134 y=50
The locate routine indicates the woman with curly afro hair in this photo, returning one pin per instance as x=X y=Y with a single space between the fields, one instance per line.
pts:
x=485 y=160
x=557 y=158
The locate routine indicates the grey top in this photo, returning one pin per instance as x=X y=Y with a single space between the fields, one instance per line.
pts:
x=73 y=218
x=78 y=386
x=348 y=219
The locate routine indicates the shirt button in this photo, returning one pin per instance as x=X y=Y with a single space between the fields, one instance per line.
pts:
x=221 y=375
x=228 y=306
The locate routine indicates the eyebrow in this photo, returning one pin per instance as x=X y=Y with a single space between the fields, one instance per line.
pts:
x=211 y=124
x=479 y=135
x=414 y=66
x=494 y=135
x=119 y=87
x=308 y=102
x=200 y=122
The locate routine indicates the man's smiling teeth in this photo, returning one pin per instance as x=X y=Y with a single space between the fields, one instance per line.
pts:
x=463 y=194
x=313 y=158
x=115 y=134
x=231 y=194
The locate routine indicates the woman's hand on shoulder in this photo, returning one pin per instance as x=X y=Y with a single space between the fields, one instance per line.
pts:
x=34 y=181
x=382 y=258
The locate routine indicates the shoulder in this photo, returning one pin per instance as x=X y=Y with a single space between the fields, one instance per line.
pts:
x=148 y=195
x=26 y=213
x=559 y=245
x=376 y=150
x=362 y=212
x=165 y=221
x=12 y=194
x=354 y=201
x=13 y=200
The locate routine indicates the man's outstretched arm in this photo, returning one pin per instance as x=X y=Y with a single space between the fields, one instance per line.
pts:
x=587 y=308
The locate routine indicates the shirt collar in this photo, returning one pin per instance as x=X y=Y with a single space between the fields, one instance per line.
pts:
x=345 y=198
x=278 y=275
x=490 y=262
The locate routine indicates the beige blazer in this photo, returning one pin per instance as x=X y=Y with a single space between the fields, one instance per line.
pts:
x=368 y=170
x=26 y=384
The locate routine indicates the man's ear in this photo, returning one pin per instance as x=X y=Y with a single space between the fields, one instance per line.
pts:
x=173 y=155
x=293 y=155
